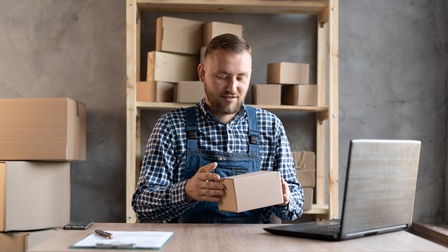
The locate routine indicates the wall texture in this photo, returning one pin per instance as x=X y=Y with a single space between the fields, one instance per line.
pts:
x=392 y=78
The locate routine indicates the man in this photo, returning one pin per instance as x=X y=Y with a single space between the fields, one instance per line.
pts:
x=190 y=149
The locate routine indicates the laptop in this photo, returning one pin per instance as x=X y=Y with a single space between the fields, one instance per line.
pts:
x=379 y=193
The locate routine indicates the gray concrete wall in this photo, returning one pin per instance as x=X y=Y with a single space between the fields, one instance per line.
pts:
x=392 y=78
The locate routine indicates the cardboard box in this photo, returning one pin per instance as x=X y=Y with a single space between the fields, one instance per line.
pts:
x=288 y=73
x=213 y=29
x=34 y=195
x=266 y=94
x=51 y=129
x=189 y=91
x=178 y=35
x=251 y=191
x=155 y=91
x=22 y=241
x=305 y=164
x=171 y=67
x=308 y=192
x=302 y=95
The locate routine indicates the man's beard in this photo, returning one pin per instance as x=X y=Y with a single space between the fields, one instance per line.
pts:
x=223 y=108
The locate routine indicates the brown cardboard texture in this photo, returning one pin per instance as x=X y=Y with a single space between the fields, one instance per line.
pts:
x=266 y=94
x=155 y=91
x=305 y=164
x=301 y=95
x=171 y=67
x=178 y=35
x=22 y=241
x=213 y=29
x=34 y=195
x=189 y=92
x=251 y=191
x=308 y=193
x=288 y=73
x=52 y=129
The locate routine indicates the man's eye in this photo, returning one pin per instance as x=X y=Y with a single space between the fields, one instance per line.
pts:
x=222 y=76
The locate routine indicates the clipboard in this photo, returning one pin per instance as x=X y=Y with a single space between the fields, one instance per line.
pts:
x=126 y=240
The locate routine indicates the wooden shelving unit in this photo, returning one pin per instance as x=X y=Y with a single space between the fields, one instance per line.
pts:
x=326 y=201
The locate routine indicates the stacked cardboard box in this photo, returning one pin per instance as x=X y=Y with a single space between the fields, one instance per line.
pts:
x=292 y=80
x=305 y=163
x=180 y=45
x=38 y=140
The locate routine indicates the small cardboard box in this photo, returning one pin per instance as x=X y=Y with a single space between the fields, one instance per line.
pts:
x=22 y=241
x=308 y=193
x=34 y=195
x=251 y=191
x=213 y=29
x=302 y=95
x=266 y=94
x=189 y=91
x=305 y=163
x=288 y=73
x=155 y=91
x=52 y=129
x=178 y=35
x=171 y=67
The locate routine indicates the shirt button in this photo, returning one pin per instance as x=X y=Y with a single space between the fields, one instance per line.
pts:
x=229 y=151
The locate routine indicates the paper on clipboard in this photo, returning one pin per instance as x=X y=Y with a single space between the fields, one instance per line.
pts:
x=126 y=239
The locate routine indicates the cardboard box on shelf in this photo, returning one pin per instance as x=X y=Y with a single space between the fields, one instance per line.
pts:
x=243 y=192
x=34 y=195
x=189 y=91
x=288 y=73
x=178 y=35
x=52 y=129
x=301 y=95
x=171 y=67
x=155 y=91
x=308 y=192
x=305 y=163
x=22 y=241
x=213 y=29
x=266 y=94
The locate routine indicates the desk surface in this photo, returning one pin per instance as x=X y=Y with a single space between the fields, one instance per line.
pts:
x=240 y=237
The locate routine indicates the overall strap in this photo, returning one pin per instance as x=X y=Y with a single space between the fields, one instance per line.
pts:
x=191 y=128
x=254 y=132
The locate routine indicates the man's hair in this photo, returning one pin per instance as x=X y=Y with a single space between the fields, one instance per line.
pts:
x=228 y=42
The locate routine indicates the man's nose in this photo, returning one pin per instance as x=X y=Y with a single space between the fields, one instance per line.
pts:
x=232 y=84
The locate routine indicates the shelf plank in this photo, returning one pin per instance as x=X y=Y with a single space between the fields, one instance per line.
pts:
x=173 y=105
x=236 y=6
x=317 y=209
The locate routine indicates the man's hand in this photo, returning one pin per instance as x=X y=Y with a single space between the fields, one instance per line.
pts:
x=285 y=190
x=204 y=186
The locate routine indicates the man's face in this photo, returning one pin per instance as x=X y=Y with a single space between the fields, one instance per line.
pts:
x=226 y=78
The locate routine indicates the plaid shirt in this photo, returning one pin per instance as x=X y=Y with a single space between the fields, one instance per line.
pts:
x=160 y=193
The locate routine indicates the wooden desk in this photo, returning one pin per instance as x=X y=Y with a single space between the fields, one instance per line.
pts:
x=240 y=237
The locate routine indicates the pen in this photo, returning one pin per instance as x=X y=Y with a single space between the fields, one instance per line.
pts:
x=104 y=233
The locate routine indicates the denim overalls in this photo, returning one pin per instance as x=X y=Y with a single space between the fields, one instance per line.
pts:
x=229 y=164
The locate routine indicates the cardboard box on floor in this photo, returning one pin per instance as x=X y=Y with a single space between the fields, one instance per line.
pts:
x=171 y=67
x=251 y=191
x=22 y=241
x=288 y=73
x=178 y=35
x=266 y=94
x=155 y=91
x=301 y=95
x=305 y=163
x=34 y=195
x=213 y=29
x=189 y=91
x=52 y=129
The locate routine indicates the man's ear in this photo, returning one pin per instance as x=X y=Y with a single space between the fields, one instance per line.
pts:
x=201 y=72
